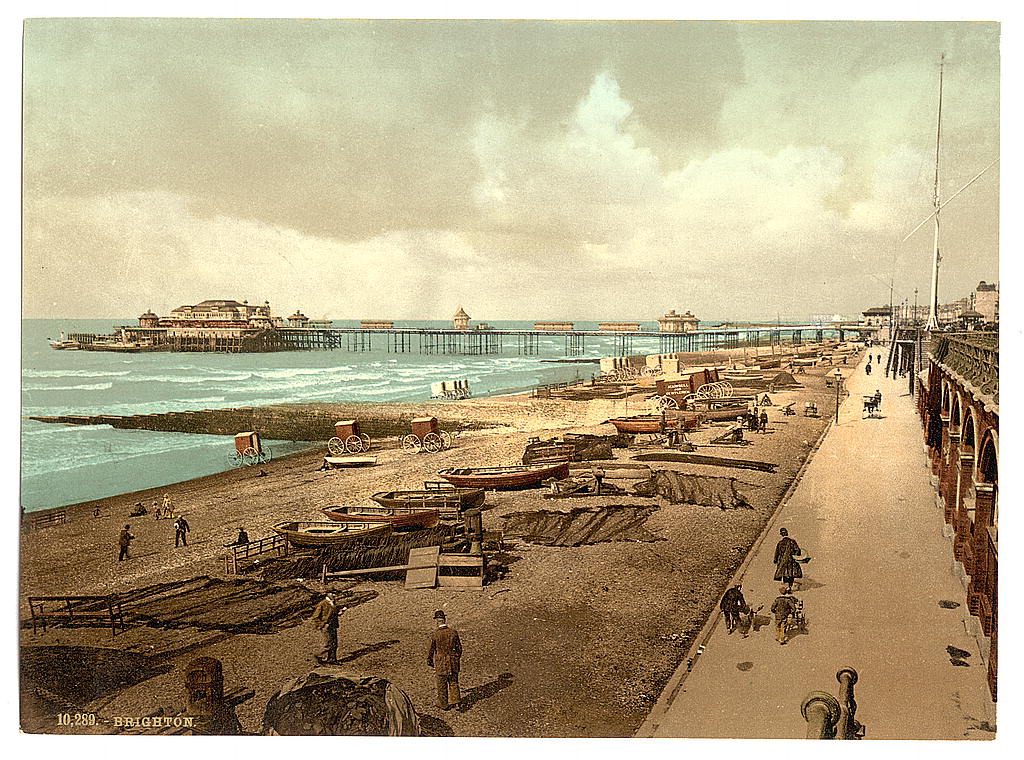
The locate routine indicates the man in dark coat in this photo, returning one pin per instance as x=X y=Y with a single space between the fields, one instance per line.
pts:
x=786 y=566
x=124 y=540
x=444 y=657
x=325 y=619
x=180 y=530
x=733 y=605
x=764 y=421
x=782 y=608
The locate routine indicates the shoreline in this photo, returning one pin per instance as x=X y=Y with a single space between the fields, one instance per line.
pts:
x=588 y=635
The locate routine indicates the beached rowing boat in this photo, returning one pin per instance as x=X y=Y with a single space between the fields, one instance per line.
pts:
x=321 y=534
x=444 y=499
x=513 y=476
x=350 y=461
x=400 y=518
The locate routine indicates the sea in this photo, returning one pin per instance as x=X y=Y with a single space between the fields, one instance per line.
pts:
x=67 y=464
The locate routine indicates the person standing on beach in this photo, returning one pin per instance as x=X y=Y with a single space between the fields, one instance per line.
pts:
x=181 y=528
x=786 y=567
x=444 y=657
x=124 y=541
x=168 y=507
x=764 y=421
x=325 y=619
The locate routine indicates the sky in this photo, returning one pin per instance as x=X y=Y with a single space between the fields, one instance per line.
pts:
x=523 y=170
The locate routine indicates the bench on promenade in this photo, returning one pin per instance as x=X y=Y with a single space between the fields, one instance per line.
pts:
x=45 y=520
x=245 y=552
x=76 y=609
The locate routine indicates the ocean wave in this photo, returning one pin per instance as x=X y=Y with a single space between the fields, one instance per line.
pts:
x=70 y=373
x=88 y=387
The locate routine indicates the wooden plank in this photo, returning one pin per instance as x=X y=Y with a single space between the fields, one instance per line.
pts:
x=369 y=570
x=460 y=560
x=682 y=456
x=425 y=577
x=461 y=582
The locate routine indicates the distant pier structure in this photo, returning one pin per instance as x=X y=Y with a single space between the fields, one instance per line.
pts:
x=235 y=327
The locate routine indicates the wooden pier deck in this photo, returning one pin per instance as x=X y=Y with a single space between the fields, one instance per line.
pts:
x=460 y=342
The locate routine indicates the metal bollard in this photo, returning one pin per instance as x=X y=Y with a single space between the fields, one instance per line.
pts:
x=847 y=726
x=821 y=711
x=831 y=718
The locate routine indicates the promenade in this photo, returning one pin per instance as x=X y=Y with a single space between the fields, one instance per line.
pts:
x=865 y=513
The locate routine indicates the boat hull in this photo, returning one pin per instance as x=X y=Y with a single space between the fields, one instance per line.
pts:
x=456 y=498
x=400 y=518
x=504 y=478
x=327 y=534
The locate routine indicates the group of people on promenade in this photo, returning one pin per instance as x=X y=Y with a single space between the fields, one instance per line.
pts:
x=444 y=654
x=786 y=608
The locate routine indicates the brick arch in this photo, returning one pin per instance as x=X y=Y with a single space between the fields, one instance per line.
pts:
x=969 y=431
x=988 y=457
x=956 y=411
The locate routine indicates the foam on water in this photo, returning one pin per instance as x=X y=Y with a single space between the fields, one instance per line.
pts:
x=64 y=464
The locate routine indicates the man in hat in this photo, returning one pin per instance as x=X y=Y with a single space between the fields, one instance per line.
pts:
x=444 y=656
x=181 y=530
x=325 y=618
x=124 y=540
x=787 y=569
x=764 y=421
x=783 y=607
x=732 y=605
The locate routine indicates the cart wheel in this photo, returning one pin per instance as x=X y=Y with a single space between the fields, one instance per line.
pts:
x=667 y=402
x=266 y=454
x=432 y=442
x=235 y=459
x=366 y=441
x=353 y=444
x=335 y=446
x=250 y=456
x=411 y=443
x=446 y=439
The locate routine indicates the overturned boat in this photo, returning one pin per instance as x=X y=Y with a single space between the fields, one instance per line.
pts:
x=445 y=499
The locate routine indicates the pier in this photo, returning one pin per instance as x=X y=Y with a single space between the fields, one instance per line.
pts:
x=400 y=340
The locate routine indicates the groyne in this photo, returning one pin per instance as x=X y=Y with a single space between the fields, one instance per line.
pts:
x=281 y=422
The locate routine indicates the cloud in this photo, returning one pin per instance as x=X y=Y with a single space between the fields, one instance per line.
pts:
x=524 y=169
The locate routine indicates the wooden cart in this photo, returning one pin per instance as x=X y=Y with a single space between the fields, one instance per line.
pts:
x=426 y=435
x=249 y=450
x=348 y=439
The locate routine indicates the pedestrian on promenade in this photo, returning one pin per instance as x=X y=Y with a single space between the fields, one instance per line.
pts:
x=787 y=569
x=325 y=619
x=879 y=358
x=764 y=421
x=783 y=608
x=733 y=605
x=124 y=541
x=878 y=399
x=867 y=369
x=444 y=657
x=181 y=530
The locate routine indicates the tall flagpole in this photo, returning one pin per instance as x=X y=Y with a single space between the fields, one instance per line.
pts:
x=933 y=307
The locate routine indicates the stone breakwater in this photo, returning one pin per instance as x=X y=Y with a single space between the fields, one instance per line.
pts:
x=285 y=422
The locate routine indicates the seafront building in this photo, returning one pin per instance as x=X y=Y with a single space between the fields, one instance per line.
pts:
x=678 y=323
x=958 y=400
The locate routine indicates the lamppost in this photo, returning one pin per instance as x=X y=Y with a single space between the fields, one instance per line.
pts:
x=839 y=379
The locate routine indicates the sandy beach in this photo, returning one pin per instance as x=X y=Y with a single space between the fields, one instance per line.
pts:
x=563 y=641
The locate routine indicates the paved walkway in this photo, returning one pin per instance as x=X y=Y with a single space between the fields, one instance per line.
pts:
x=865 y=513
